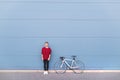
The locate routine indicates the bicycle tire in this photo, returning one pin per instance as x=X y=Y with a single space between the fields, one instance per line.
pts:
x=80 y=67
x=58 y=69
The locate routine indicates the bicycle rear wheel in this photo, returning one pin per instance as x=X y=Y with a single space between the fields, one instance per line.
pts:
x=60 y=67
x=78 y=67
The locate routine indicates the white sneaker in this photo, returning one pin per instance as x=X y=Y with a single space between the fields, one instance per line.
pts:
x=45 y=72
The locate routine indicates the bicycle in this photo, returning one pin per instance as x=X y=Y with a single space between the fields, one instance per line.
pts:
x=71 y=64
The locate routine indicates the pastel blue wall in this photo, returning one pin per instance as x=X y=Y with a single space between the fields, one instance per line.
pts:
x=89 y=29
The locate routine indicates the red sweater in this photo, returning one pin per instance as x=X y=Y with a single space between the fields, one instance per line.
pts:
x=46 y=52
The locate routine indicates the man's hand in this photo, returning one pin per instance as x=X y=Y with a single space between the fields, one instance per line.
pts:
x=48 y=59
x=42 y=58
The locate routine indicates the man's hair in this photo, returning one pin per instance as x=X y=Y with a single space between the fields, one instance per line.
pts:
x=46 y=42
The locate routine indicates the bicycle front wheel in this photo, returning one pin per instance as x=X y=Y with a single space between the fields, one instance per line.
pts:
x=60 y=67
x=78 y=67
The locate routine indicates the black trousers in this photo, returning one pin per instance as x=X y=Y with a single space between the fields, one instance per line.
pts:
x=46 y=65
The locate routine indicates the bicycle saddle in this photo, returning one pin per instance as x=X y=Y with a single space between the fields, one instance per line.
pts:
x=62 y=58
x=74 y=56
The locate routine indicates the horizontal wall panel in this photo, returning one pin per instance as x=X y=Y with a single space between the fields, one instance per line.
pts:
x=41 y=10
x=59 y=28
x=34 y=62
x=82 y=46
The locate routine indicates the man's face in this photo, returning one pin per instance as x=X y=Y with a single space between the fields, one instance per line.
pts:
x=46 y=45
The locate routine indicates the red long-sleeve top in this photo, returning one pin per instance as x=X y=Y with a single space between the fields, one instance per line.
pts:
x=46 y=52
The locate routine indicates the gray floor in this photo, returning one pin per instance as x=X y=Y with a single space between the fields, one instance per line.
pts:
x=54 y=76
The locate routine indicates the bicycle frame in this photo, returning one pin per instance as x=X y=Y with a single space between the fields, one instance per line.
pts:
x=66 y=62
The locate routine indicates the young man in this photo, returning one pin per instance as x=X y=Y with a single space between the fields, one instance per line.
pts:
x=46 y=54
